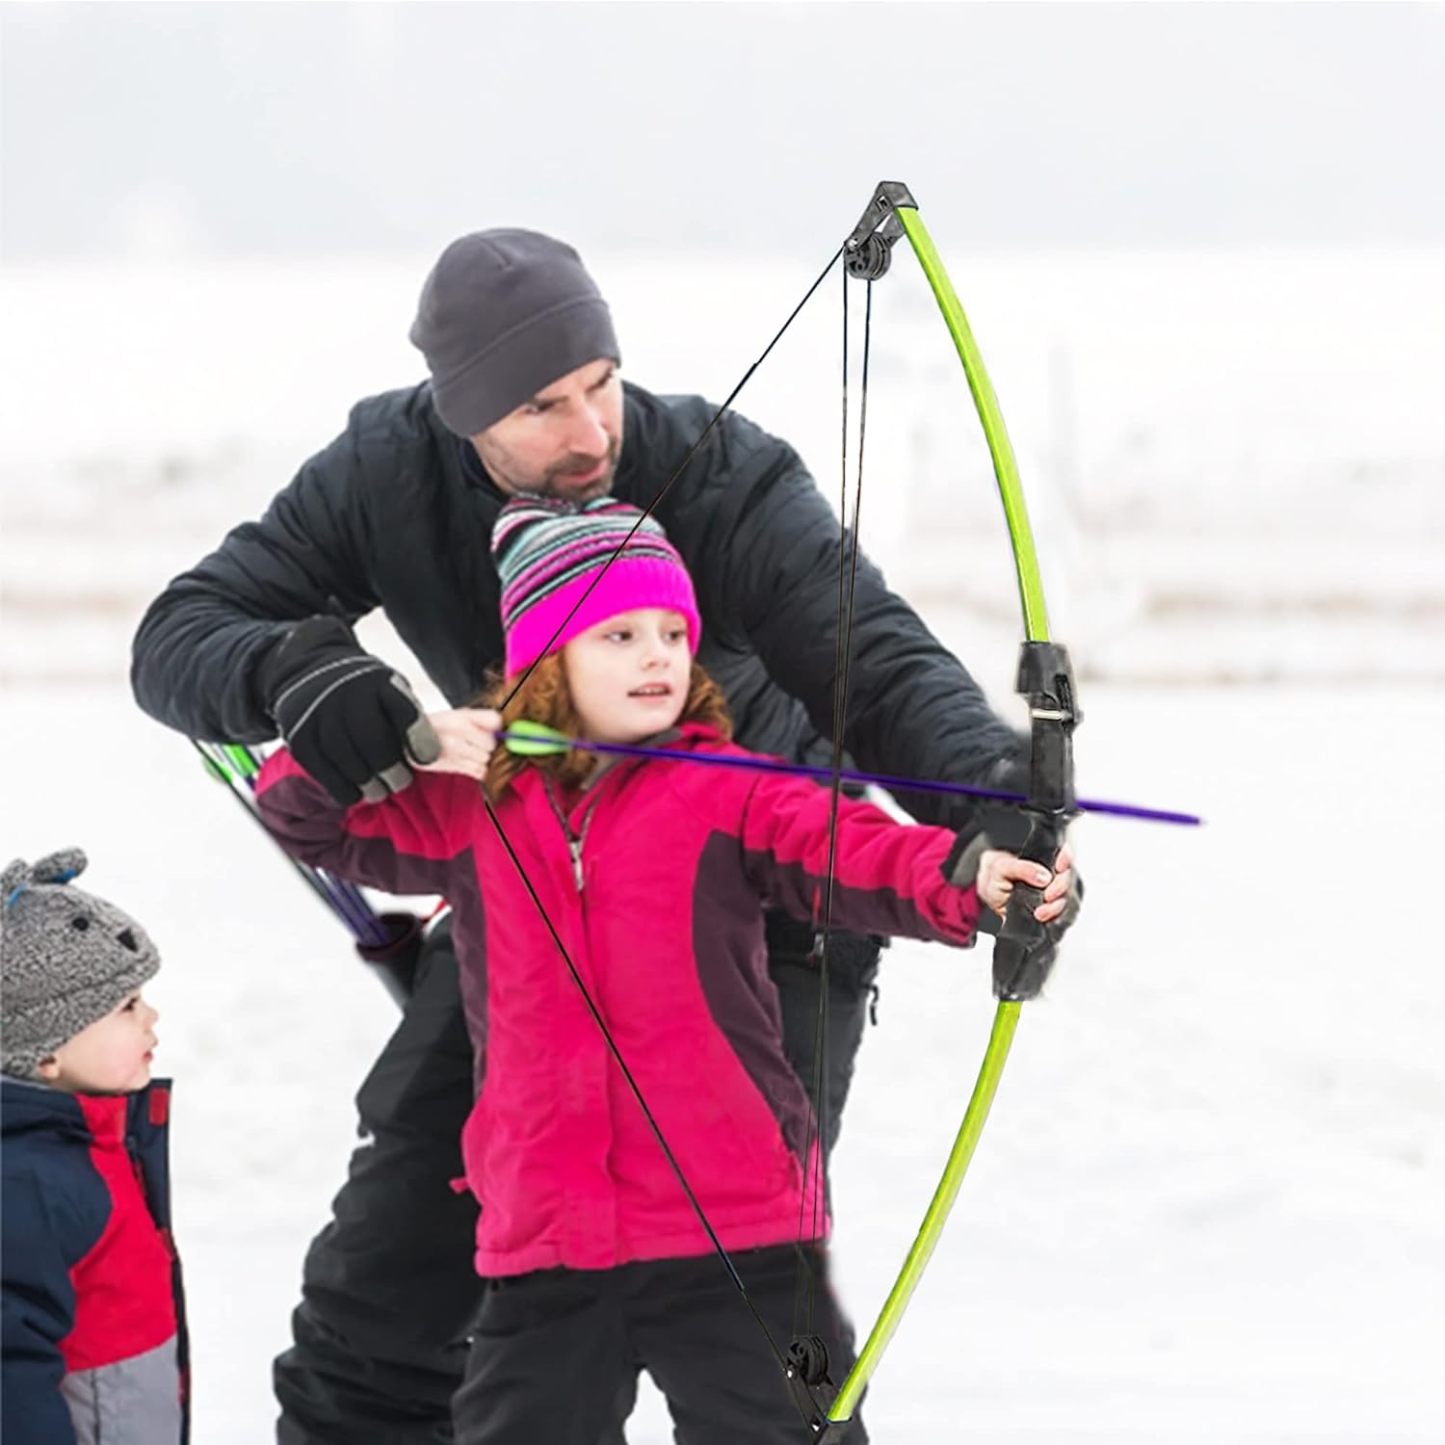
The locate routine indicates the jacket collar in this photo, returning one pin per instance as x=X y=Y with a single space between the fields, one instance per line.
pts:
x=29 y=1106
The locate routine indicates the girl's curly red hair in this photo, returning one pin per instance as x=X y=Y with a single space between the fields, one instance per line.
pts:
x=545 y=698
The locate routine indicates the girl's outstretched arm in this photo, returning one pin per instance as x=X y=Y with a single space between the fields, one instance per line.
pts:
x=888 y=877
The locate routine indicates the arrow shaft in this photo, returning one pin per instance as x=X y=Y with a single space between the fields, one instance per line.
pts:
x=851 y=775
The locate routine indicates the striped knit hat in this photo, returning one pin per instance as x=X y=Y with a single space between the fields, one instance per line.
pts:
x=551 y=556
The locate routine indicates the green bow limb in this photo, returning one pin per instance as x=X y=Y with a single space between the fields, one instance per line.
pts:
x=892 y=213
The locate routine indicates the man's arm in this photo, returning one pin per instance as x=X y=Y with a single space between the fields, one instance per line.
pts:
x=913 y=709
x=196 y=653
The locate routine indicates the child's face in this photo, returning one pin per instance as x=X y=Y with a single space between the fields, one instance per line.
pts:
x=629 y=676
x=112 y=1056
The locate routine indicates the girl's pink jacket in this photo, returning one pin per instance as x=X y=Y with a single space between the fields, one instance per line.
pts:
x=656 y=880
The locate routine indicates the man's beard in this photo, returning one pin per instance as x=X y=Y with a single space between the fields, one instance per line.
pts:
x=555 y=482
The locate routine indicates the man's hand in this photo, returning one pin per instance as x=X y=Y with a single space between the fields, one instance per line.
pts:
x=468 y=738
x=348 y=719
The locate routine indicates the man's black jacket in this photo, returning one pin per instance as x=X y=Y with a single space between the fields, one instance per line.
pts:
x=391 y=516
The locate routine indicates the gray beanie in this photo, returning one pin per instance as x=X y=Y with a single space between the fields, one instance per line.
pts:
x=67 y=959
x=502 y=315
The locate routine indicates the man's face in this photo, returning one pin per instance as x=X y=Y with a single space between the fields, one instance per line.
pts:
x=629 y=675
x=111 y=1056
x=562 y=443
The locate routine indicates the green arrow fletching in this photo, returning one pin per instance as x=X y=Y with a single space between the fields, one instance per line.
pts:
x=535 y=740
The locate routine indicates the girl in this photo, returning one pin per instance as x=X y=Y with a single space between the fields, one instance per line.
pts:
x=644 y=882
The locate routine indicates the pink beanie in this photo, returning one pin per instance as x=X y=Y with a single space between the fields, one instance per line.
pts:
x=565 y=568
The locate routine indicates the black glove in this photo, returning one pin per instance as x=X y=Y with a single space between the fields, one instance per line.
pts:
x=348 y=719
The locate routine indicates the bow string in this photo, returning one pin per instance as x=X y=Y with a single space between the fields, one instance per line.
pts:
x=1024 y=950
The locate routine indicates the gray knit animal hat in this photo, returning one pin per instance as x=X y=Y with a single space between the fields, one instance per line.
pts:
x=502 y=315
x=67 y=958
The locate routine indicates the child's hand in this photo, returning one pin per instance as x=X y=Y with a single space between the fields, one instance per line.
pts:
x=468 y=737
x=999 y=871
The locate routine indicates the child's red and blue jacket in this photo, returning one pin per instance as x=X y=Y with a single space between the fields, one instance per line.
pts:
x=94 y=1336
x=655 y=877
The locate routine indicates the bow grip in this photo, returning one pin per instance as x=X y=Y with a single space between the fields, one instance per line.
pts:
x=1023 y=952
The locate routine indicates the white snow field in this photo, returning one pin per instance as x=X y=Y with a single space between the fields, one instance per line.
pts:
x=1210 y=1204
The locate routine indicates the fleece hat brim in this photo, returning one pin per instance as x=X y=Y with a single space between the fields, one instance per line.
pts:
x=503 y=315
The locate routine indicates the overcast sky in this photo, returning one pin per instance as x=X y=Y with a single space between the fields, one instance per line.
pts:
x=755 y=128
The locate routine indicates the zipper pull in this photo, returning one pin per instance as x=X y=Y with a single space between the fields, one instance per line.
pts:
x=574 y=846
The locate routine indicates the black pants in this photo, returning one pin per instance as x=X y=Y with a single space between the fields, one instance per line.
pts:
x=389 y=1292
x=557 y=1353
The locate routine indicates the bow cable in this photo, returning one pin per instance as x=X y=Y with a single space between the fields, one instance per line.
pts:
x=807 y=1350
x=811 y=1408
x=1044 y=674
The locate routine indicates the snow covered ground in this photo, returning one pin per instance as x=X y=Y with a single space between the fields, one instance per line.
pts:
x=1210 y=1205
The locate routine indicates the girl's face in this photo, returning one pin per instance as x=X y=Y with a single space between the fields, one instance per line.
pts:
x=111 y=1056
x=629 y=676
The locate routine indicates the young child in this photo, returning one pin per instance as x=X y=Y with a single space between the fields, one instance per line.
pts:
x=654 y=875
x=94 y=1343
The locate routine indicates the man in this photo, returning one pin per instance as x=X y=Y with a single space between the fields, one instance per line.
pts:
x=397 y=513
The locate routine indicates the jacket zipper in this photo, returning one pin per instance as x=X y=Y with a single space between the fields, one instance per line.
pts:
x=574 y=841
